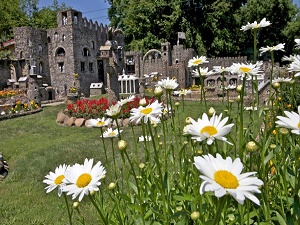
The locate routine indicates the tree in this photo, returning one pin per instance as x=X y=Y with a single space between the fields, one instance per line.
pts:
x=212 y=27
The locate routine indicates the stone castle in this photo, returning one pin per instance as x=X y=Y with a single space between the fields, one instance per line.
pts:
x=80 y=46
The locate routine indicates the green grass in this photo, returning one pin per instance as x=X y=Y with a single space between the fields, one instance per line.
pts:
x=34 y=145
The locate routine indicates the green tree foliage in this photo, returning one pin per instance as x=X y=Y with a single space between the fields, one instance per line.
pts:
x=281 y=14
x=17 y=13
x=212 y=27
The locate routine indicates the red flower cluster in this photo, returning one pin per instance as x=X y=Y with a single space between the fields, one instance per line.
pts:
x=96 y=108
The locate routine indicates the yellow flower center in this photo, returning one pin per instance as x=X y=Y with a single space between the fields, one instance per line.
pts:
x=100 y=123
x=59 y=179
x=298 y=125
x=245 y=69
x=211 y=130
x=197 y=61
x=226 y=179
x=83 y=180
x=112 y=133
x=146 y=110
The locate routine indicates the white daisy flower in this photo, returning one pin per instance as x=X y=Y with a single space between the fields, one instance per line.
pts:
x=224 y=176
x=113 y=110
x=290 y=58
x=292 y=121
x=145 y=138
x=279 y=47
x=158 y=91
x=297 y=43
x=55 y=179
x=110 y=133
x=126 y=100
x=251 y=108
x=209 y=129
x=99 y=122
x=182 y=92
x=255 y=25
x=82 y=179
x=196 y=61
x=220 y=69
x=281 y=80
x=168 y=84
x=203 y=71
x=244 y=70
x=295 y=66
x=150 y=112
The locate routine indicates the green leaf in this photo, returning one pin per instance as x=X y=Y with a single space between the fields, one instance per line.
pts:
x=280 y=219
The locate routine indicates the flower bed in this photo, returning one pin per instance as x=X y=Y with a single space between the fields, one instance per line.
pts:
x=96 y=108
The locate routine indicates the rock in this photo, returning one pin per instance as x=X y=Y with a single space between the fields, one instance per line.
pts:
x=126 y=122
x=60 y=117
x=79 y=122
x=66 y=120
x=71 y=121
x=86 y=123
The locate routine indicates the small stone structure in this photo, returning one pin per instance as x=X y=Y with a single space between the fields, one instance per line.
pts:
x=3 y=168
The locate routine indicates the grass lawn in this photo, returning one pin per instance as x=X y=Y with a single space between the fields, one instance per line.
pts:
x=34 y=145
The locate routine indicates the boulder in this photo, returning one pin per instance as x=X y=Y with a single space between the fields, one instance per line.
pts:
x=71 y=121
x=126 y=122
x=60 y=117
x=79 y=122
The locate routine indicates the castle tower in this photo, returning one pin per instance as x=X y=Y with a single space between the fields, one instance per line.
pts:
x=166 y=53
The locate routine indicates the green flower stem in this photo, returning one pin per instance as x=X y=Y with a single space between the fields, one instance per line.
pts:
x=271 y=78
x=255 y=45
x=114 y=158
x=118 y=127
x=81 y=218
x=241 y=130
x=162 y=188
x=220 y=207
x=68 y=208
x=103 y=143
x=135 y=144
x=104 y=221
x=223 y=90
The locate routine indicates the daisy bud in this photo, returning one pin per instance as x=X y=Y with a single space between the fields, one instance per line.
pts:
x=92 y=192
x=177 y=103
x=200 y=152
x=141 y=165
x=292 y=81
x=238 y=99
x=276 y=85
x=143 y=102
x=188 y=120
x=272 y=146
x=239 y=88
x=122 y=145
x=283 y=131
x=274 y=132
x=185 y=142
x=251 y=146
x=231 y=101
x=279 y=99
x=112 y=186
x=195 y=215
x=289 y=106
x=178 y=208
x=211 y=111
x=160 y=143
x=158 y=91
x=75 y=205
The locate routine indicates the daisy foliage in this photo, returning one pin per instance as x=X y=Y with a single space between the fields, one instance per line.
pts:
x=223 y=176
x=209 y=129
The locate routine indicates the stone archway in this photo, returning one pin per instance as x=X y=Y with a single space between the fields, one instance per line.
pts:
x=148 y=53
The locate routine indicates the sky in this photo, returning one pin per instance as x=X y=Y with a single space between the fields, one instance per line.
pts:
x=96 y=10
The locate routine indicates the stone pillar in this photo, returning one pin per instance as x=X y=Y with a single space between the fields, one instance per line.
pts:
x=33 y=92
x=112 y=82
